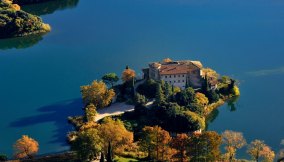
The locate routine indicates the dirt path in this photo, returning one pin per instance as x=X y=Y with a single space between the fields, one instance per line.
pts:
x=114 y=109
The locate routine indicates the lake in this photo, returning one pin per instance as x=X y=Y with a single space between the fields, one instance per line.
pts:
x=41 y=75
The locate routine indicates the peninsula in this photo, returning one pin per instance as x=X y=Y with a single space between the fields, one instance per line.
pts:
x=15 y=22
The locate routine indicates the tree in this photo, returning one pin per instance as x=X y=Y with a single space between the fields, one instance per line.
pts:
x=140 y=99
x=211 y=74
x=128 y=75
x=114 y=132
x=97 y=93
x=148 y=88
x=185 y=97
x=87 y=143
x=212 y=96
x=205 y=146
x=102 y=159
x=110 y=78
x=26 y=147
x=160 y=97
x=155 y=141
x=281 y=152
x=90 y=112
x=180 y=143
x=267 y=154
x=193 y=121
x=258 y=149
x=196 y=108
x=233 y=141
x=201 y=99
x=109 y=153
x=168 y=91
x=3 y=157
x=166 y=60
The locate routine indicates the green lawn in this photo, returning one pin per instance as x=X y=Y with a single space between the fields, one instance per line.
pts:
x=122 y=159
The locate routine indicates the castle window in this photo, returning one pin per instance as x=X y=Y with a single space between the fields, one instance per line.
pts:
x=170 y=76
x=174 y=81
x=182 y=80
x=178 y=80
x=178 y=75
x=174 y=76
x=182 y=75
x=166 y=76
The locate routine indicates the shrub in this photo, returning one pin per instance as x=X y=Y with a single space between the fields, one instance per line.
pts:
x=3 y=157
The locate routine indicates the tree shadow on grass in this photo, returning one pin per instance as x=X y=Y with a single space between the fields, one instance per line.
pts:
x=56 y=113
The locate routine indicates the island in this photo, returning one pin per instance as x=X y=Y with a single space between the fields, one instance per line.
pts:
x=172 y=98
x=160 y=116
x=15 y=22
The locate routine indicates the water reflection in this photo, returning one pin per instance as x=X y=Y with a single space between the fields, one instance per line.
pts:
x=20 y=42
x=56 y=113
x=211 y=117
x=232 y=103
x=49 y=7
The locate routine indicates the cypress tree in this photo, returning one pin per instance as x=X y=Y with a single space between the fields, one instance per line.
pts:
x=109 y=153
x=160 y=96
x=102 y=159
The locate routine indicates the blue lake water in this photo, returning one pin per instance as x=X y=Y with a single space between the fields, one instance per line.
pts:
x=40 y=76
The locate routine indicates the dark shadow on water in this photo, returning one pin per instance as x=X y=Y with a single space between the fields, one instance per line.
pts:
x=20 y=42
x=50 y=7
x=56 y=113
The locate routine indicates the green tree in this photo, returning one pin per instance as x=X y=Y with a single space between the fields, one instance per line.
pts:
x=160 y=97
x=102 y=159
x=185 y=97
x=195 y=121
x=168 y=91
x=212 y=96
x=148 y=89
x=3 y=157
x=233 y=141
x=140 y=99
x=109 y=153
x=97 y=93
x=110 y=78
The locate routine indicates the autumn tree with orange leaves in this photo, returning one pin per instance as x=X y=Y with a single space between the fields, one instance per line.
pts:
x=166 y=60
x=128 y=74
x=180 y=143
x=155 y=142
x=26 y=147
x=114 y=132
x=233 y=141
x=97 y=94
x=258 y=150
x=205 y=146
